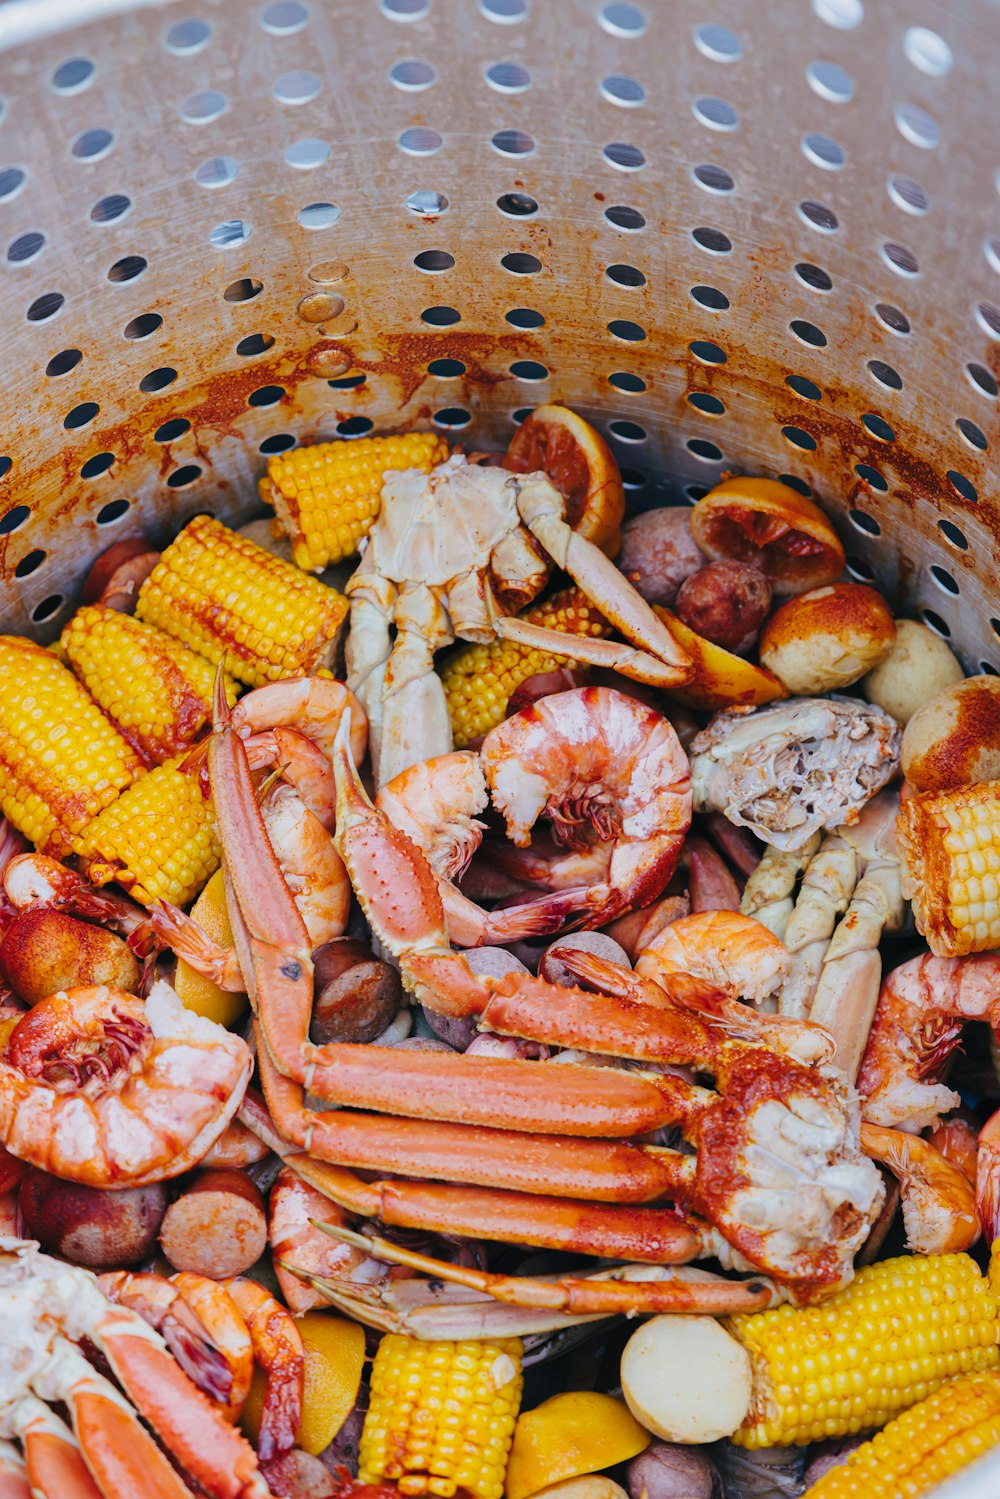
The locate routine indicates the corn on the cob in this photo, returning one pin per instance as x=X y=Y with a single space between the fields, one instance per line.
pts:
x=479 y=679
x=898 y=1331
x=327 y=496
x=61 y=761
x=226 y=598
x=441 y=1416
x=156 y=692
x=158 y=840
x=923 y=1446
x=949 y=842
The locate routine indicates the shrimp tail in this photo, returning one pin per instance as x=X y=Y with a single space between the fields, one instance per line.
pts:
x=557 y=911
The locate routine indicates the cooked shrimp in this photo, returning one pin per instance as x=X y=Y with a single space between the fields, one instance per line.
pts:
x=957 y=1139
x=436 y=803
x=733 y=952
x=296 y=1244
x=988 y=1177
x=98 y=1087
x=237 y=1147
x=32 y=880
x=922 y=1009
x=938 y=1200
x=598 y=765
x=277 y=1347
x=200 y=1324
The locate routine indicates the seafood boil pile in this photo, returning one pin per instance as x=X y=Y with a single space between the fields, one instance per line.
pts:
x=498 y=998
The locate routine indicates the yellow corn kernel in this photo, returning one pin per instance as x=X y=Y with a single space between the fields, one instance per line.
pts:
x=898 y=1331
x=950 y=847
x=226 y=598
x=479 y=680
x=158 y=840
x=441 y=1416
x=922 y=1447
x=326 y=496
x=61 y=761
x=156 y=692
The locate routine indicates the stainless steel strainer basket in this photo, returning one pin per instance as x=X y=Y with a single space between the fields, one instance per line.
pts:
x=736 y=235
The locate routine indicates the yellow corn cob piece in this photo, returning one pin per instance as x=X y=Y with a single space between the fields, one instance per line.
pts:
x=158 y=840
x=441 y=1416
x=480 y=679
x=923 y=1446
x=327 y=496
x=225 y=597
x=950 y=847
x=61 y=761
x=899 y=1330
x=156 y=692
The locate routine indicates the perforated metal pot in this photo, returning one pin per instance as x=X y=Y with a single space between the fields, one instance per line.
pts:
x=737 y=235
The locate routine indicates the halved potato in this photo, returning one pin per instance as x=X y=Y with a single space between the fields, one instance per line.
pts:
x=569 y=1435
x=772 y=526
x=687 y=1379
x=721 y=680
x=582 y=467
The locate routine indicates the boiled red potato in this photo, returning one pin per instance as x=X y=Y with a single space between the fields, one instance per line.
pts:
x=119 y=573
x=726 y=603
x=659 y=553
x=918 y=667
x=687 y=1379
x=44 y=951
x=217 y=1227
x=954 y=739
x=770 y=525
x=557 y=442
x=826 y=639
x=668 y=1471
x=99 y=1229
x=554 y=971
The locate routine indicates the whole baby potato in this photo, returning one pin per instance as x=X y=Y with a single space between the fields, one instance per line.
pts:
x=954 y=740
x=44 y=951
x=726 y=603
x=553 y=970
x=824 y=640
x=102 y=1230
x=668 y=1471
x=918 y=667
x=658 y=553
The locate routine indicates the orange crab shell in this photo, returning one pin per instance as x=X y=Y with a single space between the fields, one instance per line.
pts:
x=768 y=524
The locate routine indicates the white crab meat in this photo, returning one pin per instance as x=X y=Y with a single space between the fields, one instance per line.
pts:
x=788 y=771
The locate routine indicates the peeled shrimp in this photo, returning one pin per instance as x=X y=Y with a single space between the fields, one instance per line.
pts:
x=200 y=1324
x=938 y=1200
x=277 y=1347
x=733 y=952
x=98 y=1087
x=610 y=775
x=296 y=1242
x=436 y=803
x=923 y=1007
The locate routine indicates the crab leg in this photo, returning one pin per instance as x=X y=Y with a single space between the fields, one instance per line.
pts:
x=13 y=1475
x=52 y=1462
x=577 y=1294
x=542 y=509
x=558 y=1166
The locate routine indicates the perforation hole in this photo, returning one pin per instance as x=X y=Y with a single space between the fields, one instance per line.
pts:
x=988 y=318
x=623 y=217
x=266 y=395
x=694 y=492
x=823 y=151
x=799 y=439
x=830 y=82
x=927 y=51
x=427 y=204
x=433 y=262
x=521 y=415
x=347 y=382
x=908 y=195
x=974 y=436
x=280 y=442
x=512 y=142
x=517 y=205
x=799 y=485
x=710 y=297
x=412 y=75
x=454 y=418
x=707 y=451
x=73 y=76
x=253 y=344
x=633 y=479
x=813 y=276
x=962 y=486
x=627 y=431
x=622 y=20
x=504 y=12
x=47 y=608
x=158 y=379
x=528 y=369
x=183 y=476
x=284 y=17
x=718 y=43
x=803 y=387
x=878 y=427
x=243 y=290
x=626 y=157
x=319 y=215
x=307 y=154
x=918 y=127
x=215 y=172
x=440 y=317
x=92 y=145
x=705 y=403
x=901 y=259
x=952 y=533
x=808 y=333
x=627 y=93
x=404 y=10
x=871 y=477
x=355 y=426
x=625 y=380
x=15 y=518
x=885 y=374
x=944 y=580
x=446 y=369
x=112 y=511
x=713 y=179
x=142 y=326
x=819 y=216
x=12 y=179
x=203 y=106
x=991 y=250
x=982 y=379
x=629 y=332
x=109 y=209
x=420 y=140
x=230 y=233
x=63 y=362
x=707 y=352
x=80 y=415
x=715 y=114
x=843 y=15
x=96 y=466
x=172 y=429
x=187 y=37
x=891 y=318
x=25 y=247
x=30 y=563
x=866 y=523
x=712 y=240
x=859 y=569
x=519 y=263
x=625 y=275
x=524 y=317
